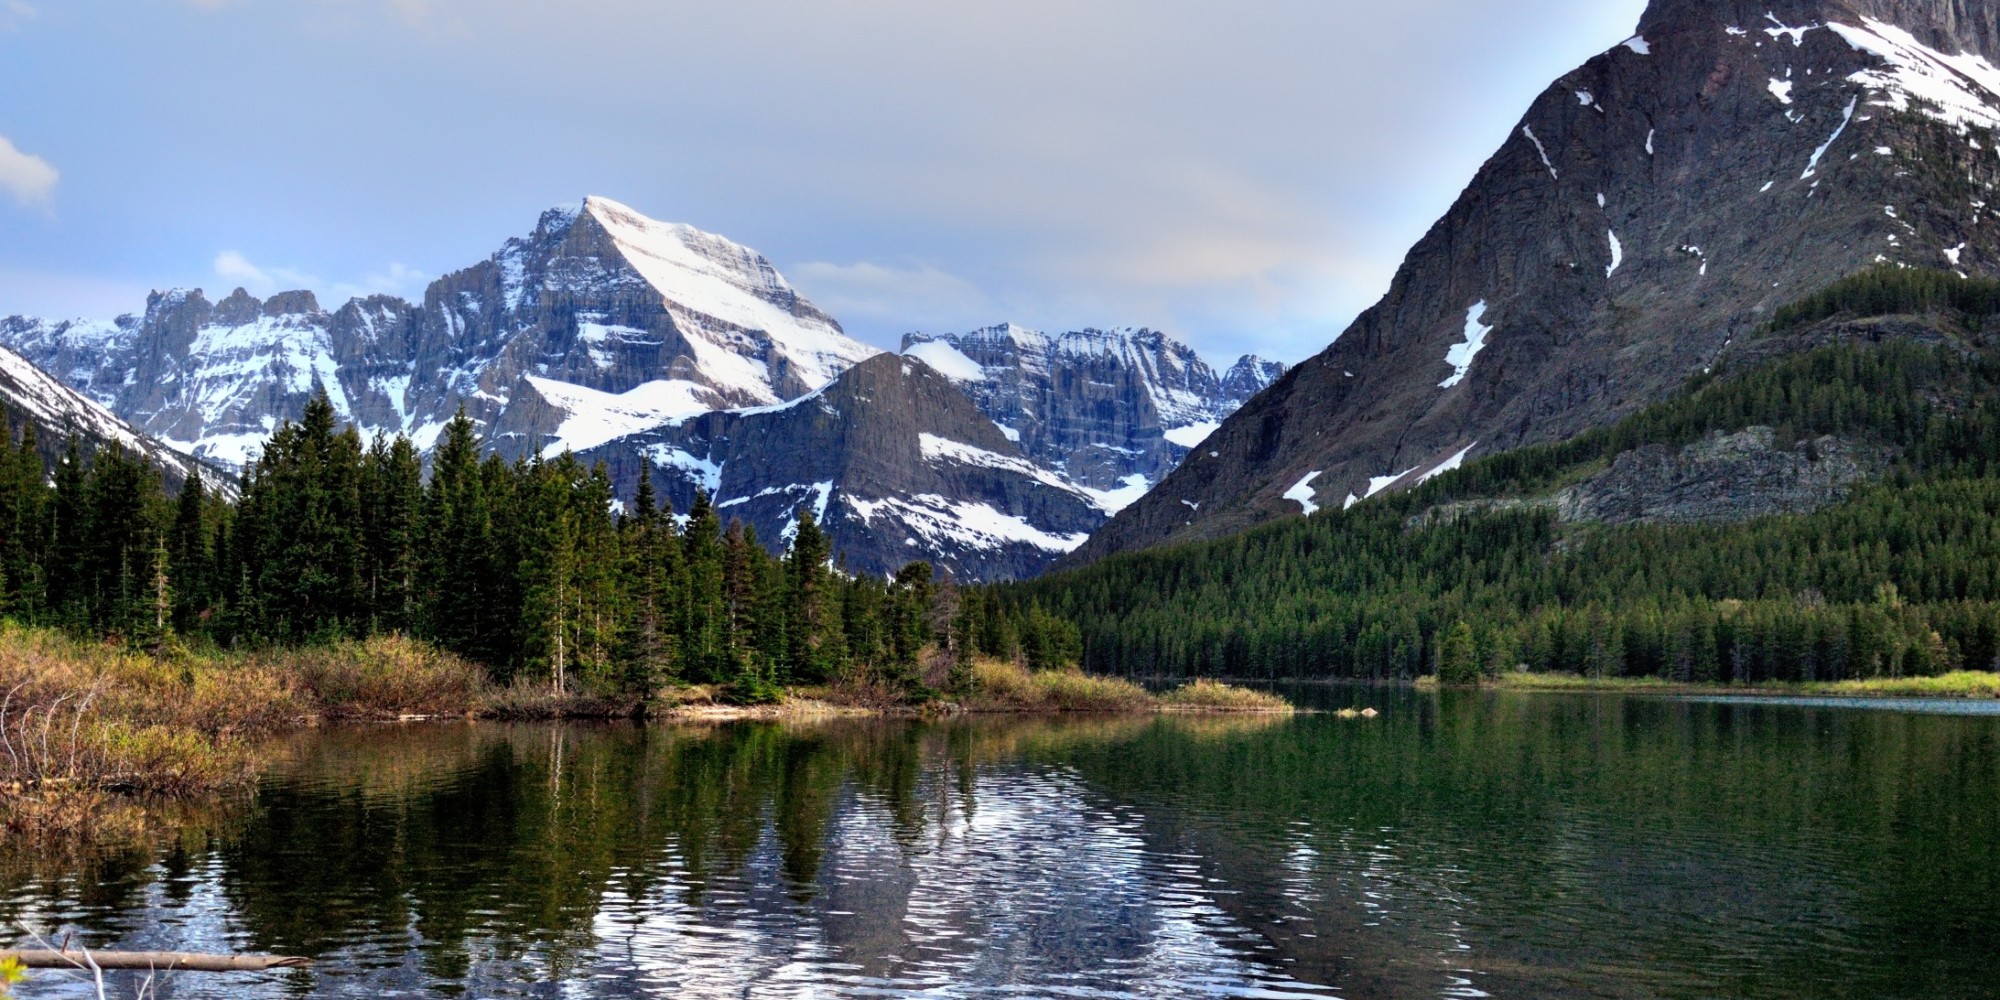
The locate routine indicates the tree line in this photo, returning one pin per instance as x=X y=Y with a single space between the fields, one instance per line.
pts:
x=526 y=567
x=1903 y=578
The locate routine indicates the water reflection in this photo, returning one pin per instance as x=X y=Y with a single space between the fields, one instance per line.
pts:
x=1463 y=847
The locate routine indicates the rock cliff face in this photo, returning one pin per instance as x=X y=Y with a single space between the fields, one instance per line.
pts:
x=658 y=346
x=893 y=460
x=1727 y=477
x=598 y=297
x=1651 y=206
x=32 y=399
x=1113 y=410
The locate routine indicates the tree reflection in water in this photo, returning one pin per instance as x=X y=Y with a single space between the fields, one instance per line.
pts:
x=1536 y=846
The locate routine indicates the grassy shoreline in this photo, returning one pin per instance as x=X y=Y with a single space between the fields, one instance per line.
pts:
x=86 y=729
x=1964 y=684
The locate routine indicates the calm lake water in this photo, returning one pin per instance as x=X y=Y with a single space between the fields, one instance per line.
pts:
x=1503 y=845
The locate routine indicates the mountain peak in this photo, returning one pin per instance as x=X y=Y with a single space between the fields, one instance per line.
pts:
x=1949 y=26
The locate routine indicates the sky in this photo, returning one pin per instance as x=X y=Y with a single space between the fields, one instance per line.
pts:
x=1245 y=175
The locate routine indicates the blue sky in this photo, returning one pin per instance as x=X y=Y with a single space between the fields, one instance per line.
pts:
x=1245 y=175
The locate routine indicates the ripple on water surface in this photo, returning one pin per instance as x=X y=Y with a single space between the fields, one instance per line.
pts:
x=1455 y=847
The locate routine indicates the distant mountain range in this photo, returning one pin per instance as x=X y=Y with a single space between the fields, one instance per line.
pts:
x=665 y=350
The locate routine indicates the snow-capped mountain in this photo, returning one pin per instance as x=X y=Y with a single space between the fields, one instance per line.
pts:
x=598 y=297
x=1114 y=411
x=891 y=457
x=657 y=346
x=1637 y=227
x=32 y=399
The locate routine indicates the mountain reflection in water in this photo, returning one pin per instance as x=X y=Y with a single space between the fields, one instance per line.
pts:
x=1505 y=845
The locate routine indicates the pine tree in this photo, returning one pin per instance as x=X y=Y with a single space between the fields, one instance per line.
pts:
x=190 y=553
x=1458 y=657
x=807 y=622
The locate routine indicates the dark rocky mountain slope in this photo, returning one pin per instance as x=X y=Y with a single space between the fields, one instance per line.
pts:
x=1114 y=410
x=33 y=400
x=1652 y=208
x=891 y=458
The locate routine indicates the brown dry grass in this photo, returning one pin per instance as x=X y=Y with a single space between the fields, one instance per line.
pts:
x=86 y=728
x=1215 y=696
x=388 y=677
x=999 y=686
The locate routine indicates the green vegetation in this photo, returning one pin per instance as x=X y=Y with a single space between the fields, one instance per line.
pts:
x=1888 y=291
x=1957 y=684
x=522 y=568
x=997 y=686
x=82 y=721
x=1902 y=580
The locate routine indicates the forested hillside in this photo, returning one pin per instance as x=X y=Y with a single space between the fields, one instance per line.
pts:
x=526 y=567
x=1482 y=570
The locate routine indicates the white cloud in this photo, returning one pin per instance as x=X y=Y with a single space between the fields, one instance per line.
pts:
x=30 y=179
x=15 y=13
x=260 y=279
x=396 y=279
x=233 y=266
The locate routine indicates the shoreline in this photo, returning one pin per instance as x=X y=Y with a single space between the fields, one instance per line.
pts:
x=88 y=730
x=1965 y=685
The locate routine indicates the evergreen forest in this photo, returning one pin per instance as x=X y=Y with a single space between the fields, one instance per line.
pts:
x=527 y=568
x=1467 y=575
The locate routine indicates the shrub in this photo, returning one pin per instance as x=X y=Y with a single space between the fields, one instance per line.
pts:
x=1215 y=696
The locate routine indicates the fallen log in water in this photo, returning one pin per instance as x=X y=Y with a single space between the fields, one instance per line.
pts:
x=157 y=961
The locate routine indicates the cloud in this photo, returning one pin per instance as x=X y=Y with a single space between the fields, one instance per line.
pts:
x=30 y=179
x=887 y=297
x=15 y=13
x=259 y=279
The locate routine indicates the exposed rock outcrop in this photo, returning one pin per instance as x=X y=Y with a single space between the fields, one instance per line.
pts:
x=1724 y=477
x=892 y=459
x=1114 y=410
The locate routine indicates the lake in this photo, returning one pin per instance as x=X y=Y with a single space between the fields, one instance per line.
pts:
x=1458 y=846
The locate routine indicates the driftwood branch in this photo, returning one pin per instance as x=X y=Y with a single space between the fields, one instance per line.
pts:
x=157 y=961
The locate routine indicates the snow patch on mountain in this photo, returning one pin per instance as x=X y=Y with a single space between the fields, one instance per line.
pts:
x=592 y=418
x=938 y=449
x=1460 y=356
x=718 y=286
x=944 y=523
x=1958 y=90
x=57 y=409
x=705 y=473
x=1193 y=434
x=1448 y=465
x=948 y=360
x=1302 y=493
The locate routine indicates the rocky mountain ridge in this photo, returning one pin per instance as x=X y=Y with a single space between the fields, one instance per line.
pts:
x=892 y=459
x=1115 y=411
x=598 y=296
x=1650 y=210
x=660 y=347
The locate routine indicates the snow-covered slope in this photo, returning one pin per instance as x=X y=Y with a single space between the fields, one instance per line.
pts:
x=30 y=397
x=598 y=300
x=891 y=457
x=1114 y=410
x=665 y=348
